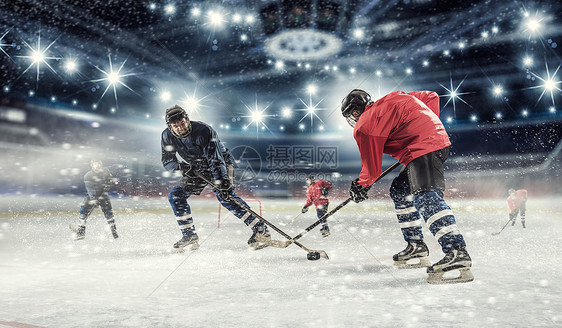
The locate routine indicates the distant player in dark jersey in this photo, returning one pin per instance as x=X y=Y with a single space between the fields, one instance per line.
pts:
x=517 y=202
x=316 y=194
x=98 y=181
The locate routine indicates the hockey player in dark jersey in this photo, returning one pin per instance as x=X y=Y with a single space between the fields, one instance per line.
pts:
x=203 y=153
x=407 y=127
x=98 y=181
x=316 y=194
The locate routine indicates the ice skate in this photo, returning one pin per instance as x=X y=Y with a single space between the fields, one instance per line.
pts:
x=523 y=223
x=79 y=233
x=455 y=259
x=259 y=239
x=416 y=252
x=114 y=232
x=325 y=231
x=192 y=240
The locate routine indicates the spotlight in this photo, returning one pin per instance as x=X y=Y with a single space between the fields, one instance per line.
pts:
x=170 y=9
x=165 y=95
x=311 y=88
x=358 y=33
x=527 y=61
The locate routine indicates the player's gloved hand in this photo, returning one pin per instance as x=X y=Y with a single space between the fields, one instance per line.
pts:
x=225 y=189
x=304 y=209
x=325 y=191
x=357 y=192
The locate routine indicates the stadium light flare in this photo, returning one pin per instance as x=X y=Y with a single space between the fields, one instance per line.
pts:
x=71 y=66
x=497 y=90
x=215 y=19
x=5 y=44
x=236 y=18
x=473 y=118
x=170 y=9
x=549 y=83
x=243 y=37
x=286 y=112
x=113 y=78
x=358 y=33
x=38 y=57
x=552 y=109
x=311 y=89
x=195 y=12
x=250 y=19
x=454 y=94
x=165 y=95
x=279 y=64
x=527 y=61
x=524 y=113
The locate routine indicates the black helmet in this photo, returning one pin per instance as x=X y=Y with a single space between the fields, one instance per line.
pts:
x=175 y=114
x=354 y=104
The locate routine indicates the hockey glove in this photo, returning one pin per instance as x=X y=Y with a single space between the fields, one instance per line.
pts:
x=357 y=192
x=304 y=209
x=225 y=189
x=325 y=191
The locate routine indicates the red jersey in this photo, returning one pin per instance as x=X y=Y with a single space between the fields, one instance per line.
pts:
x=515 y=202
x=314 y=193
x=403 y=125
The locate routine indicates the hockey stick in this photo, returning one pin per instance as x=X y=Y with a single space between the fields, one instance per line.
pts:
x=497 y=233
x=345 y=202
x=296 y=216
x=312 y=254
x=292 y=220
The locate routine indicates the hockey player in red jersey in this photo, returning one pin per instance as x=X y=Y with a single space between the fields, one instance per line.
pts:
x=407 y=127
x=517 y=202
x=316 y=194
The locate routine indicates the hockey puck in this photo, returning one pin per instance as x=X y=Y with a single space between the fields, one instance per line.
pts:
x=313 y=256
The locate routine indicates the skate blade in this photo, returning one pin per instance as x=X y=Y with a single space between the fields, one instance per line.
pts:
x=324 y=235
x=438 y=279
x=79 y=238
x=180 y=250
x=422 y=263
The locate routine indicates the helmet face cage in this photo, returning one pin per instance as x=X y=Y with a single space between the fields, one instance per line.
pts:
x=354 y=104
x=177 y=114
x=310 y=178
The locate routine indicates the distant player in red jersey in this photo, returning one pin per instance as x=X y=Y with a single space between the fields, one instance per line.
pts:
x=407 y=127
x=517 y=202
x=316 y=194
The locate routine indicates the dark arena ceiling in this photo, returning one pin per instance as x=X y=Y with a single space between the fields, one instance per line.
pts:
x=489 y=60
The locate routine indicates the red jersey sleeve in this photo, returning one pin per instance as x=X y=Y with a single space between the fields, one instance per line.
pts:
x=308 y=196
x=371 y=150
x=429 y=98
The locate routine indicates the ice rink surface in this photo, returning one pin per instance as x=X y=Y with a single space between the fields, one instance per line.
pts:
x=49 y=280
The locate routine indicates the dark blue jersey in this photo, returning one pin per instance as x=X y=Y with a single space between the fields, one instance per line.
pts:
x=202 y=149
x=97 y=182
